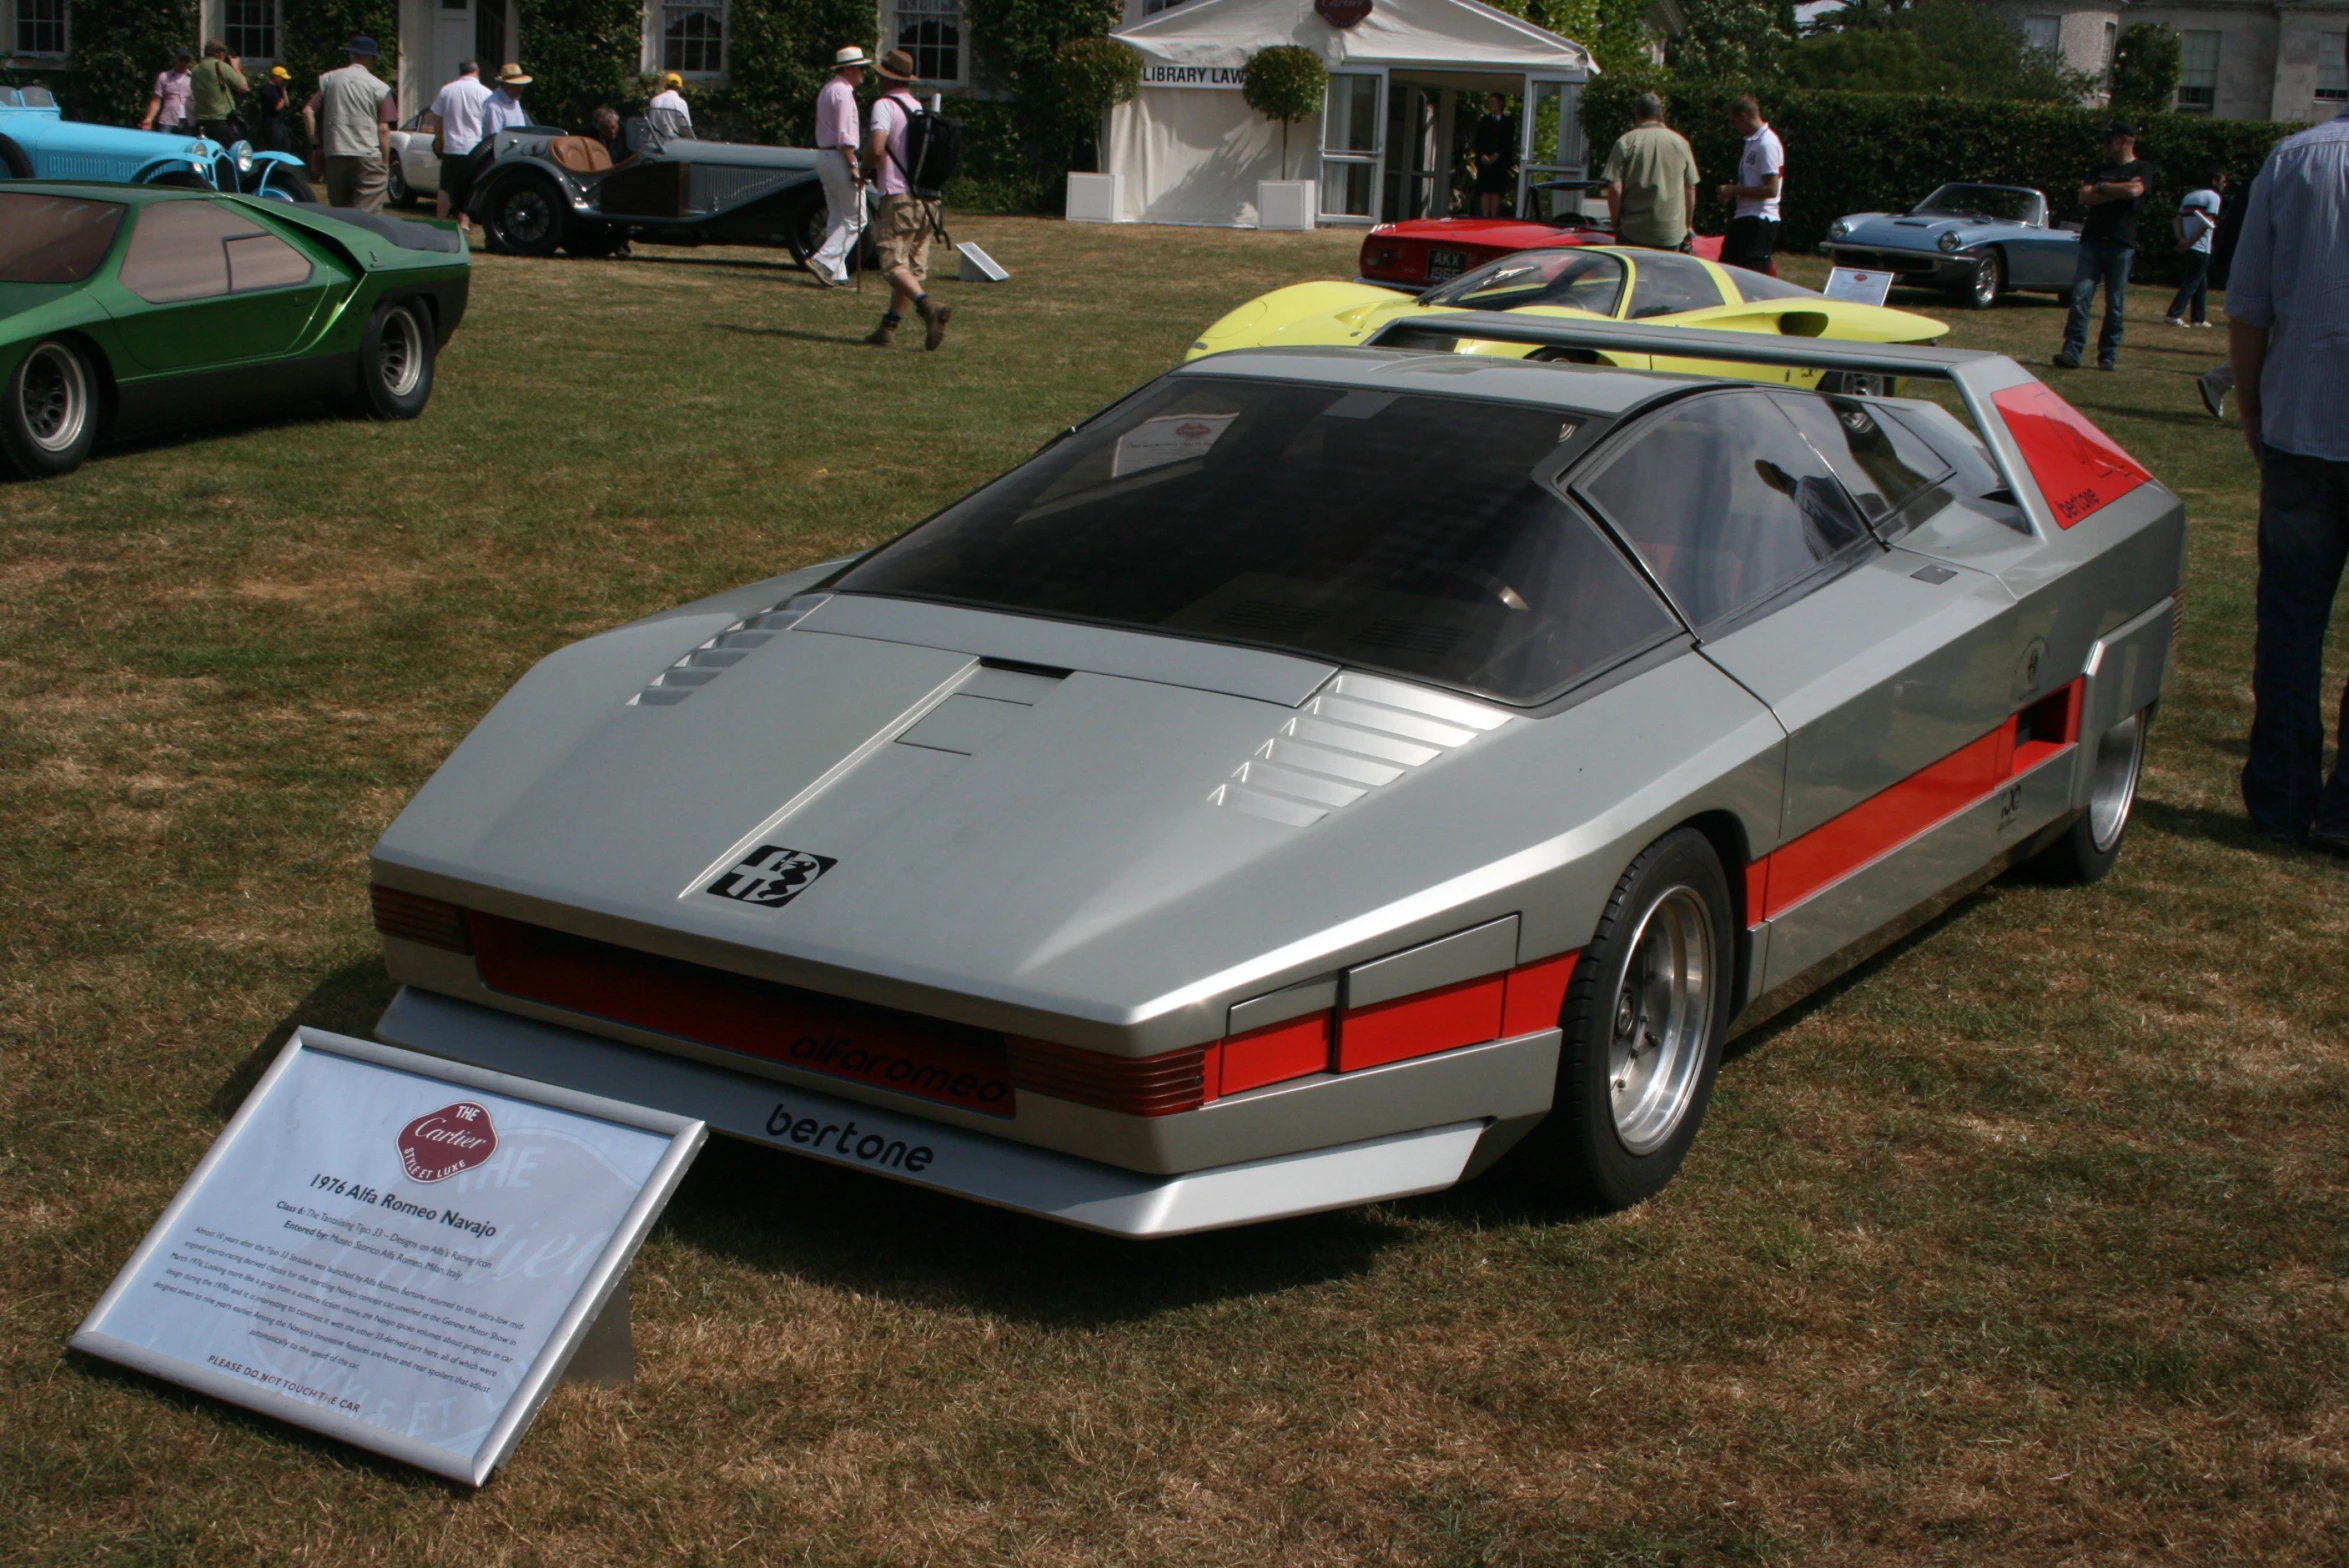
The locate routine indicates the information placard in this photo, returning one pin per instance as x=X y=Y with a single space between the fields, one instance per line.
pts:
x=394 y=1250
x=1857 y=286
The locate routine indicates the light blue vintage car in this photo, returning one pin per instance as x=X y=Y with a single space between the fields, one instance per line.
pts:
x=38 y=142
x=1976 y=241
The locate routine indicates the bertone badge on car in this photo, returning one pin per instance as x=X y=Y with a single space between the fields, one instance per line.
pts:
x=1321 y=773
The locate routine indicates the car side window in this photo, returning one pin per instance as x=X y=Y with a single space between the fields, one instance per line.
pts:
x=1880 y=461
x=1725 y=503
x=189 y=250
x=1665 y=284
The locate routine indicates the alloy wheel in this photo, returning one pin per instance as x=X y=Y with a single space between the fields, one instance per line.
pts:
x=54 y=397
x=2112 y=787
x=401 y=361
x=1660 y=1019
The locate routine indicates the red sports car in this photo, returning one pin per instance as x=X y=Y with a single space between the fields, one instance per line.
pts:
x=1423 y=252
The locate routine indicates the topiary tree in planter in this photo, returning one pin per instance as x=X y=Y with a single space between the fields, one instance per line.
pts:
x=1095 y=75
x=1285 y=83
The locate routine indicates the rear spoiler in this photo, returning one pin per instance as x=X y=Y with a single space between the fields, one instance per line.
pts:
x=1977 y=375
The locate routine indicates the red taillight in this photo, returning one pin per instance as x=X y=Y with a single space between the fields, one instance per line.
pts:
x=1402 y=263
x=414 y=918
x=1134 y=1085
x=2080 y=469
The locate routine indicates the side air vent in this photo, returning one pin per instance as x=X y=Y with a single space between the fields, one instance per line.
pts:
x=1359 y=733
x=722 y=652
x=415 y=918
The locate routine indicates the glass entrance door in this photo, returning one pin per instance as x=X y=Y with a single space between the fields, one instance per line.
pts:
x=1415 y=150
x=1352 y=146
x=1553 y=146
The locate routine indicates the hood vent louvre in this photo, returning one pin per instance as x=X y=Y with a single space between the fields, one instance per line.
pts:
x=729 y=648
x=1359 y=733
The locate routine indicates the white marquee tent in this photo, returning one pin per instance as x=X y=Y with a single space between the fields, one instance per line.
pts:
x=1191 y=151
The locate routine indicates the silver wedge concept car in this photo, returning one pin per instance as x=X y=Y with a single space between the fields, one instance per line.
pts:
x=1318 y=774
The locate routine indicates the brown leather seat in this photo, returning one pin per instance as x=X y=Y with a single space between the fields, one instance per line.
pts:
x=579 y=154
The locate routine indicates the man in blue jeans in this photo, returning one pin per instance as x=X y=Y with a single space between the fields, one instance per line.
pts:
x=2288 y=330
x=2112 y=193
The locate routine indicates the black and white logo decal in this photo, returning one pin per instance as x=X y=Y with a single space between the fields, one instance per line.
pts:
x=771 y=876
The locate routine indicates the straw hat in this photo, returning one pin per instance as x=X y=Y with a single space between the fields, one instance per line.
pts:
x=897 y=65
x=842 y=59
x=510 y=75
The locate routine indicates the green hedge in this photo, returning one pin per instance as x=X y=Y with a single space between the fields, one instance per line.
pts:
x=582 y=55
x=118 y=46
x=1876 y=152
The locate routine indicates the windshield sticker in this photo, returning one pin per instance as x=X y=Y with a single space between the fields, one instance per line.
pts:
x=1170 y=438
x=771 y=876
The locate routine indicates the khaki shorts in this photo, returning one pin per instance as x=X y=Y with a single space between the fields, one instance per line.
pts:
x=356 y=182
x=902 y=235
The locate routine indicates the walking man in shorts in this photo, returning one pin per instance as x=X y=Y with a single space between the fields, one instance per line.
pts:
x=347 y=123
x=902 y=235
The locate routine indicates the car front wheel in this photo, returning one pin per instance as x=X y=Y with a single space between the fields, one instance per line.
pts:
x=51 y=417
x=1985 y=283
x=1643 y=1026
x=395 y=361
x=395 y=186
x=524 y=219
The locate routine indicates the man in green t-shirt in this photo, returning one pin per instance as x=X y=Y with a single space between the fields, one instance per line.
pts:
x=1651 y=180
x=215 y=87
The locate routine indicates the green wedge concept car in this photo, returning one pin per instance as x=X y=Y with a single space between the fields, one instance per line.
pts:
x=129 y=309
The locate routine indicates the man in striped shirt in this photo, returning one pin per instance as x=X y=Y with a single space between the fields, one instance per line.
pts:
x=2288 y=330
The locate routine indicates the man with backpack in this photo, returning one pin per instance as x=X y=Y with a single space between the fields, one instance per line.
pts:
x=913 y=150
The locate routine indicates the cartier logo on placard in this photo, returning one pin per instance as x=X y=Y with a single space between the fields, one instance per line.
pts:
x=452 y=1139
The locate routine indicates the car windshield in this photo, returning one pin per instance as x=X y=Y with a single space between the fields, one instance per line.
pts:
x=1979 y=201
x=54 y=239
x=1410 y=534
x=1579 y=279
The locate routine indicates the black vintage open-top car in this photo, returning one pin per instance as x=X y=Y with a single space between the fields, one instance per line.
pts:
x=538 y=190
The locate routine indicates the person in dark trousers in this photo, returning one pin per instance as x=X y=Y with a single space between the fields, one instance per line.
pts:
x=2113 y=192
x=272 y=97
x=2198 y=221
x=1496 y=147
x=214 y=87
x=2288 y=330
x=1755 y=201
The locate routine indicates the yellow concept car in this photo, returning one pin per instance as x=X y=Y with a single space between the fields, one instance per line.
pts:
x=1602 y=282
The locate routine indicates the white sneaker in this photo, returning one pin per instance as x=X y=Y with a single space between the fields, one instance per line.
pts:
x=2173 y=321
x=2203 y=324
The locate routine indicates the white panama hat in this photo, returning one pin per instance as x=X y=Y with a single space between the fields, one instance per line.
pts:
x=851 y=55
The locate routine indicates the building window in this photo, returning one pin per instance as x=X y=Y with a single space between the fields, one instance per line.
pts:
x=40 y=28
x=931 y=31
x=249 y=28
x=2198 y=56
x=489 y=36
x=2332 y=72
x=693 y=37
x=2044 y=33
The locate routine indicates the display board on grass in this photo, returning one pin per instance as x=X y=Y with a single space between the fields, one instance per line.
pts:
x=393 y=1250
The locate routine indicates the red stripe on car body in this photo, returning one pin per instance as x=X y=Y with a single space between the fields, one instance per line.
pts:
x=2080 y=469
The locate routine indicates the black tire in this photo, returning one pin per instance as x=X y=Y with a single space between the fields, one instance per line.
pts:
x=14 y=159
x=2091 y=845
x=524 y=217
x=1859 y=383
x=288 y=184
x=395 y=361
x=1664 y=957
x=182 y=180
x=1986 y=286
x=51 y=417
x=803 y=229
x=395 y=185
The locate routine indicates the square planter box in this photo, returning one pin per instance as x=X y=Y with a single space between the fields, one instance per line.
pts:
x=1286 y=204
x=1096 y=198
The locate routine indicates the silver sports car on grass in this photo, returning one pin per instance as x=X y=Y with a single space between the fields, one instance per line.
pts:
x=1314 y=775
x=1979 y=242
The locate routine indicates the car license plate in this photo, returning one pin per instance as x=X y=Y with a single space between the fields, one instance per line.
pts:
x=1445 y=265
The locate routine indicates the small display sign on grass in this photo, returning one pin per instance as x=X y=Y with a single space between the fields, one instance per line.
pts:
x=1857 y=286
x=394 y=1250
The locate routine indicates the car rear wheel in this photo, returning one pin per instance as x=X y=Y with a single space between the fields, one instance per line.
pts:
x=525 y=218
x=1985 y=283
x=395 y=185
x=2091 y=845
x=395 y=361
x=1643 y=1025
x=51 y=417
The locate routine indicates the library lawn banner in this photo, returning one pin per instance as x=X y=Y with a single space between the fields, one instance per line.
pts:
x=394 y=1250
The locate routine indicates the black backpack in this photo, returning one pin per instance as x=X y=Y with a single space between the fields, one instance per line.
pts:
x=933 y=146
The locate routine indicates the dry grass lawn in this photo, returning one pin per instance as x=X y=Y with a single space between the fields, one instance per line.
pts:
x=2023 y=1245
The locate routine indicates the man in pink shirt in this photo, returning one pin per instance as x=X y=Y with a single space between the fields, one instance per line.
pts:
x=907 y=216
x=167 y=103
x=838 y=134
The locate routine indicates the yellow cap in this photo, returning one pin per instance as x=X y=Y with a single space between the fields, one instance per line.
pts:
x=673 y=80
